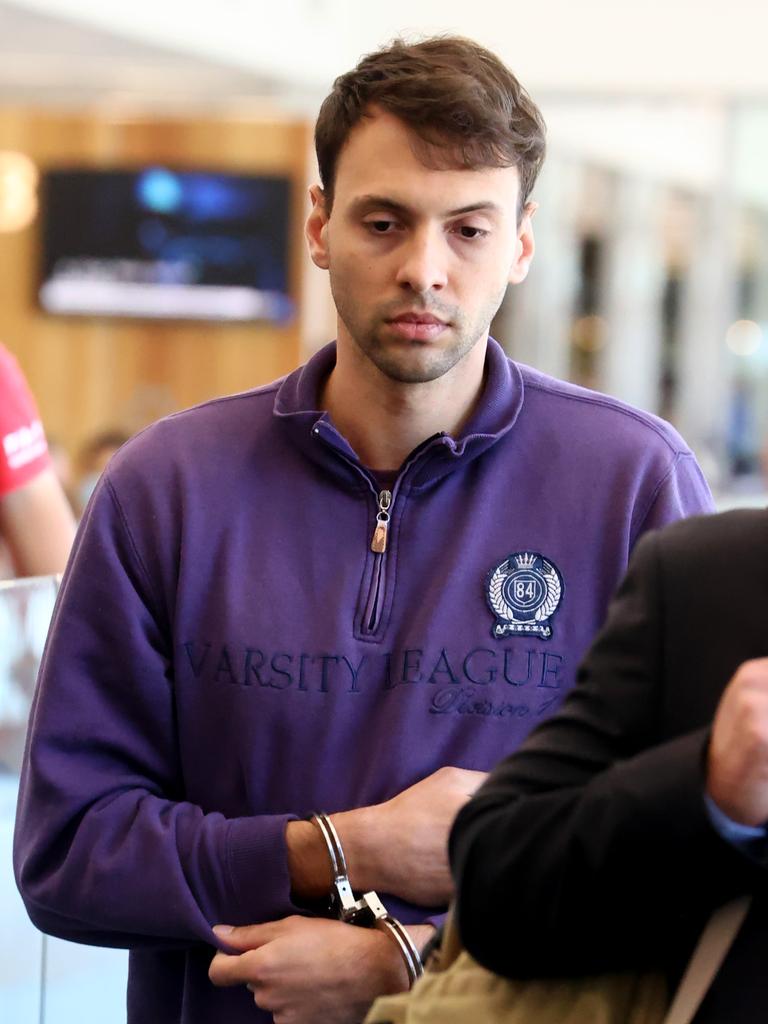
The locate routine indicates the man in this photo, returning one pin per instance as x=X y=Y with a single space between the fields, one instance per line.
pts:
x=625 y=820
x=350 y=591
x=36 y=522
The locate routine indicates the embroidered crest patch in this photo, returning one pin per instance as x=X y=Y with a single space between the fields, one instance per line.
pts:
x=524 y=592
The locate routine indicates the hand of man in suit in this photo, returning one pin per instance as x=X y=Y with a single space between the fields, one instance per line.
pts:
x=737 y=762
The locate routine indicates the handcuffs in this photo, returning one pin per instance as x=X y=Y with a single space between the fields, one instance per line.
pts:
x=368 y=911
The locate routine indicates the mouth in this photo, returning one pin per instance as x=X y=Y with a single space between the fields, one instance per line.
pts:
x=417 y=326
x=417 y=318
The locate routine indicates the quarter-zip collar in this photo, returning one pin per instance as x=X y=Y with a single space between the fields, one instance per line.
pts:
x=311 y=428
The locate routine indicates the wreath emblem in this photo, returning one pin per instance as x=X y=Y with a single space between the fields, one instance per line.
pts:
x=524 y=592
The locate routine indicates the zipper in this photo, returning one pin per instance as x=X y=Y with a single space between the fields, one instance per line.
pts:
x=379 y=539
x=377 y=589
x=374 y=600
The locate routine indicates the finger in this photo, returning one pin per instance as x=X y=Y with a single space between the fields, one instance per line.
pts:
x=226 y=970
x=265 y=1000
x=249 y=936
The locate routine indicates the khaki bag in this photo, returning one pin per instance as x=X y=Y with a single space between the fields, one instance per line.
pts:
x=467 y=993
x=457 y=990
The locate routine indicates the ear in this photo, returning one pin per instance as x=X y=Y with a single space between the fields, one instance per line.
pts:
x=316 y=228
x=524 y=245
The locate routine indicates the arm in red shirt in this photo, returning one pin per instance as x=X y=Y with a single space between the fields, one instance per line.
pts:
x=36 y=521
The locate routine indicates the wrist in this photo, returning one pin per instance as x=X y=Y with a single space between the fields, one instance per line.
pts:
x=308 y=865
x=393 y=973
x=360 y=834
x=731 y=821
x=421 y=934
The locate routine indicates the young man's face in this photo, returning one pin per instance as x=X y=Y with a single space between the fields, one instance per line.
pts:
x=419 y=259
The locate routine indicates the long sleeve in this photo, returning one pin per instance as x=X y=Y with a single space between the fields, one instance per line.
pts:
x=591 y=849
x=107 y=848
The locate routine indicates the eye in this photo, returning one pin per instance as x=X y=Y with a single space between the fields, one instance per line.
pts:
x=380 y=226
x=470 y=232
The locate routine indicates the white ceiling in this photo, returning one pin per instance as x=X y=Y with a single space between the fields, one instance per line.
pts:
x=52 y=60
x=701 y=48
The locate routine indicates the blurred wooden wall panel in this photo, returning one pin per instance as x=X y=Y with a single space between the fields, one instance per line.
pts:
x=90 y=374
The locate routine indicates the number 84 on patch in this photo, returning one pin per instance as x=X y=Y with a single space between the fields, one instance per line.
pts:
x=524 y=592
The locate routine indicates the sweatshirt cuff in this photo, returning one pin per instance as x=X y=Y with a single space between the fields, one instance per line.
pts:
x=257 y=860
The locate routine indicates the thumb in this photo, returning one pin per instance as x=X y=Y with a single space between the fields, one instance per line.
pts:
x=240 y=939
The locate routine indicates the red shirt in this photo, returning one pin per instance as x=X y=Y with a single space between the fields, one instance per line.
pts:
x=23 y=448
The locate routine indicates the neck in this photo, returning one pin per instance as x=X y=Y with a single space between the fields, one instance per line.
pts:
x=384 y=419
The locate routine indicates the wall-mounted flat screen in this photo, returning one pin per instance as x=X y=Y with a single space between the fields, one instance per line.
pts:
x=161 y=243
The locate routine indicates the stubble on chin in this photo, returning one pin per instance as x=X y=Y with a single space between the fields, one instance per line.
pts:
x=405 y=362
x=414 y=362
x=411 y=362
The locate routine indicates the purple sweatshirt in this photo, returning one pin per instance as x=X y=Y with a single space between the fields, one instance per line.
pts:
x=228 y=653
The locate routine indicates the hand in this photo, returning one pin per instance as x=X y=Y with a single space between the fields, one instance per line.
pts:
x=304 y=970
x=402 y=847
x=737 y=762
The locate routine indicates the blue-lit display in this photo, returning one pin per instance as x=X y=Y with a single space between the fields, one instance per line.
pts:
x=159 y=190
x=157 y=242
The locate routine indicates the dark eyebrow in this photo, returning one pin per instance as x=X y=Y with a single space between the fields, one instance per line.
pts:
x=485 y=206
x=371 y=202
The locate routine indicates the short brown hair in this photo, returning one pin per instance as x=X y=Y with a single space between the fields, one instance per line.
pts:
x=462 y=103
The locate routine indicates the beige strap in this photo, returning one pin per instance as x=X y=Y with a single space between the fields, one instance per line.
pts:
x=451 y=947
x=706 y=960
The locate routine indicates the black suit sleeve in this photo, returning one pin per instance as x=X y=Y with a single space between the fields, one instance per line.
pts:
x=590 y=848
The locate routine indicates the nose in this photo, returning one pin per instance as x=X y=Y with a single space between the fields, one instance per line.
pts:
x=423 y=262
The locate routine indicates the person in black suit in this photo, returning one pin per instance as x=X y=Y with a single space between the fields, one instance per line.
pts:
x=609 y=838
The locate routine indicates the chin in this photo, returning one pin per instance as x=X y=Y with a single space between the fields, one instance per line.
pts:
x=416 y=369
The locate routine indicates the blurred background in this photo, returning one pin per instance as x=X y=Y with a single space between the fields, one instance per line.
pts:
x=154 y=161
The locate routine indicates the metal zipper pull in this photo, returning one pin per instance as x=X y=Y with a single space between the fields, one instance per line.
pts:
x=379 y=542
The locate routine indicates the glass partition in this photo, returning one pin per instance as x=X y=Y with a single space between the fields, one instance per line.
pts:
x=42 y=980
